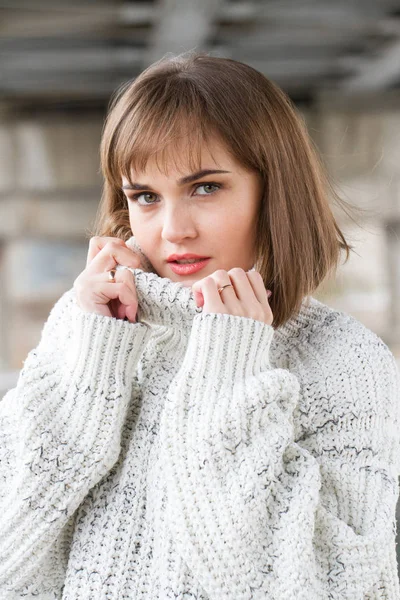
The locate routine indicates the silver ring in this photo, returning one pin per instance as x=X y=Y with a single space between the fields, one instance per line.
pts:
x=223 y=287
x=111 y=275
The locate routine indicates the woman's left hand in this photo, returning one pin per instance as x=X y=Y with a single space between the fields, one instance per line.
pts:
x=246 y=298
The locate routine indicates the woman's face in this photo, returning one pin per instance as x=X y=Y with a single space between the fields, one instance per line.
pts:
x=211 y=215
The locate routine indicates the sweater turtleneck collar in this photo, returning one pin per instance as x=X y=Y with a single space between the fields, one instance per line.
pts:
x=163 y=301
x=168 y=303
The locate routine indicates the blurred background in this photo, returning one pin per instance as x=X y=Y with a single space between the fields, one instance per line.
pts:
x=59 y=63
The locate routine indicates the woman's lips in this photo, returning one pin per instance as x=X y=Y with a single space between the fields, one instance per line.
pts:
x=188 y=268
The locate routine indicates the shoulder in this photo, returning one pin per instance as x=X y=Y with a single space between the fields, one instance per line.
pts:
x=343 y=345
x=343 y=367
x=331 y=338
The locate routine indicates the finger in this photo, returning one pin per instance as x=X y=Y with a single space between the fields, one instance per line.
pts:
x=241 y=284
x=111 y=255
x=121 y=309
x=128 y=277
x=262 y=295
x=198 y=297
x=197 y=291
x=131 y=313
x=257 y=283
x=121 y=275
x=128 y=310
x=207 y=291
x=97 y=243
x=122 y=290
x=220 y=277
x=116 y=308
x=212 y=300
x=105 y=292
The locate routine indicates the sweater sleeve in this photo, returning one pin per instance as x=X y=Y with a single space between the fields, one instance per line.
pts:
x=257 y=513
x=60 y=431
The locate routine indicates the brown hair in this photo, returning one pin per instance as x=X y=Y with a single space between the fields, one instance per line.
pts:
x=194 y=95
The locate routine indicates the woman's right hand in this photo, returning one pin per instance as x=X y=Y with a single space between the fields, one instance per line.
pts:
x=95 y=293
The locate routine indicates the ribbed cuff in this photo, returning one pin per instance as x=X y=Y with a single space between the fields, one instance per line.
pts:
x=228 y=346
x=103 y=347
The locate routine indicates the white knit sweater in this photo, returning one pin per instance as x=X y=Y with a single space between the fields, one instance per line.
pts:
x=200 y=456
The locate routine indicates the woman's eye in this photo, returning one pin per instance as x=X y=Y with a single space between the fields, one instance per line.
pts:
x=208 y=185
x=135 y=197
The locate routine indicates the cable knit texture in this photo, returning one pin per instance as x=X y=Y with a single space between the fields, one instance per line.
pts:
x=200 y=456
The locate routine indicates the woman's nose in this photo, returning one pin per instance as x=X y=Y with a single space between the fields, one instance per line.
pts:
x=177 y=224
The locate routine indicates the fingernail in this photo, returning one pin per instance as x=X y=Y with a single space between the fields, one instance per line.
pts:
x=269 y=293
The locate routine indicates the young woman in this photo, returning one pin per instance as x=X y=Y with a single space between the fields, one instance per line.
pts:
x=179 y=432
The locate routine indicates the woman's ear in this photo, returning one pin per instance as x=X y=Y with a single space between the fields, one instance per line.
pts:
x=145 y=263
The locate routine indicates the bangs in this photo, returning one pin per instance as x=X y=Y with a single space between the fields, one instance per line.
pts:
x=167 y=134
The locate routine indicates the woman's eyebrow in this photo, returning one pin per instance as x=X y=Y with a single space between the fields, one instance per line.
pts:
x=185 y=180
